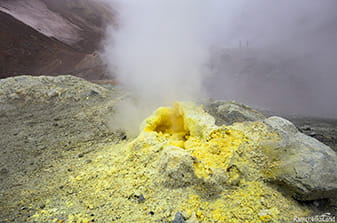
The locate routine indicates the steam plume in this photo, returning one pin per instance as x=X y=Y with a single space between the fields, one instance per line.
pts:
x=162 y=47
x=160 y=51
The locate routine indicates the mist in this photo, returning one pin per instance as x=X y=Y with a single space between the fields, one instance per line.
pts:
x=278 y=56
x=159 y=52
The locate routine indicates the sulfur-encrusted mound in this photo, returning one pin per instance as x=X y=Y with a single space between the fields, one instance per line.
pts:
x=182 y=166
x=214 y=173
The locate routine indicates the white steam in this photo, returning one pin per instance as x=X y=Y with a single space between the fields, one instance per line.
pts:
x=279 y=55
x=160 y=49
x=159 y=52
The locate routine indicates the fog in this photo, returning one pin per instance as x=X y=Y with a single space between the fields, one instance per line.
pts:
x=275 y=55
x=289 y=65
x=160 y=49
x=159 y=52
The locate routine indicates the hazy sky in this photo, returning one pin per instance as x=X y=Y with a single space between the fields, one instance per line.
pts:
x=162 y=51
x=299 y=42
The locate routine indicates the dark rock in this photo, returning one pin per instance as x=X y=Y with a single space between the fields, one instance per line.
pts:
x=306 y=128
x=25 y=49
x=312 y=134
x=141 y=198
x=93 y=93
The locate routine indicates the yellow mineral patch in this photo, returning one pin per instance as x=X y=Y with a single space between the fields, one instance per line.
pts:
x=252 y=202
x=180 y=162
x=166 y=121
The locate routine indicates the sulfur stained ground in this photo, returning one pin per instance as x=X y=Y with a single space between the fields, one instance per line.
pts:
x=126 y=181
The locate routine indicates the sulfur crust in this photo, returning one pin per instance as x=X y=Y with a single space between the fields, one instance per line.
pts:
x=180 y=162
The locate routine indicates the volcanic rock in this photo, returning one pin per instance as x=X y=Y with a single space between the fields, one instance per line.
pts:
x=176 y=165
x=307 y=167
x=178 y=218
x=228 y=112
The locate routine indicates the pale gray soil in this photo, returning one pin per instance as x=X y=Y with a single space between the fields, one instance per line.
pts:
x=41 y=118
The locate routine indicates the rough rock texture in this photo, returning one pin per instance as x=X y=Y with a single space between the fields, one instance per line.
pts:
x=307 y=167
x=176 y=165
x=304 y=167
x=322 y=129
x=228 y=112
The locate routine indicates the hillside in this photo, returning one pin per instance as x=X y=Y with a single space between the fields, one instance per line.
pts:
x=47 y=37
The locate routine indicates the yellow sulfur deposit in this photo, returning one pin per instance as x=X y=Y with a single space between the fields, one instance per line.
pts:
x=180 y=162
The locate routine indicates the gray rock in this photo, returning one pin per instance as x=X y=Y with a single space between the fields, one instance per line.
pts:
x=176 y=167
x=141 y=198
x=229 y=112
x=306 y=167
x=178 y=218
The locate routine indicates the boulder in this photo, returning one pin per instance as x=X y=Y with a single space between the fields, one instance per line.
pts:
x=306 y=167
x=229 y=112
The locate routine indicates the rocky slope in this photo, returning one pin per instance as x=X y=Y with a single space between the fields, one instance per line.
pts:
x=53 y=37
